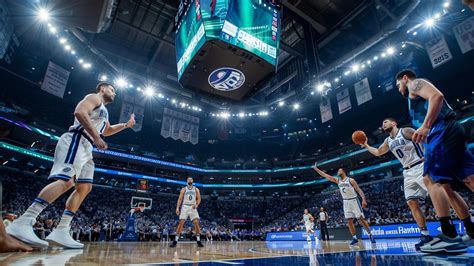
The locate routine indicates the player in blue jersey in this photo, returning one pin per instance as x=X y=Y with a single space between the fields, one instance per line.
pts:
x=447 y=161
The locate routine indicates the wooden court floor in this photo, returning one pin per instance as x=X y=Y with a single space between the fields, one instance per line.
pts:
x=220 y=253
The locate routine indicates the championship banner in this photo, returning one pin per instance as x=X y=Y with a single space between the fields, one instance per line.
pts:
x=438 y=51
x=343 y=101
x=464 y=33
x=325 y=108
x=362 y=90
x=133 y=105
x=55 y=80
x=179 y=125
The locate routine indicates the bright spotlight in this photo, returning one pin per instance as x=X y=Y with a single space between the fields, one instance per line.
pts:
x=241 y=114
x=347 y=73
x=80 y=61
x=67 y=47
x=404 y=45
x=62 y=40
x=320 y=87
x=415 y=33
x=383 y=55
x=281 y=103
x=149 y=92
x=430 y=22
x=437 y=15
x=121 y=82
x=103 y=78
x=355 y=67
x=161 y=96
x=336 y=80
x=390 y=50
x=73 y=52
x=43 y=14
x=446 y=5
x=87 y=65
x=369 y=62
x=296 y=106
x=173 y=101
x=376 y=58
x=52 y=29
x=264 y=113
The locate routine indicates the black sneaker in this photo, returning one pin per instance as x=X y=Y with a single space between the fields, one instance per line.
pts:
x=173 y=245
x=199 y=244
x=354 y=241
x=423 y=240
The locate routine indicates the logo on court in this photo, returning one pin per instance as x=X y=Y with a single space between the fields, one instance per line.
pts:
x=226 y=79
x=67 y=170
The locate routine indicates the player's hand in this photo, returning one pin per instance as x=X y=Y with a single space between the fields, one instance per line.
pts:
x=194 y=206
x=131 y=122
x=177 y=211
x=364 y=204
x=100 y=143
x=420 y=134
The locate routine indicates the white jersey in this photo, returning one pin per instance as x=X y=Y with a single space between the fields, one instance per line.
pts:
x=346 y=189
x=190 y=196
x=406 y=151
x=99 y=118
x=306 y=219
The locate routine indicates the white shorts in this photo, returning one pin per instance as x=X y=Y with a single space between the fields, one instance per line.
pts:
x=309 y=226
x=73 y=159
x=413 y=184
x=353 y=209
x=187 y=211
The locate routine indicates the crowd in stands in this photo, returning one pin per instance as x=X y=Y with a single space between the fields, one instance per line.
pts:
x=104 y=213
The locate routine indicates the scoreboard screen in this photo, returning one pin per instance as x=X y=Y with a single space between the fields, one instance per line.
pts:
x=252 y=25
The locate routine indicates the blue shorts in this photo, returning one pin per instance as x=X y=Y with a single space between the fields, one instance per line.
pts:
x=447 y=159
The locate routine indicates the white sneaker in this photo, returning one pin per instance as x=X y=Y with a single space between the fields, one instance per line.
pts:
x=63 y=238
x=22 y=229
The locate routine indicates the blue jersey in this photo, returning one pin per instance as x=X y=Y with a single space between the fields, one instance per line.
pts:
x=418 y=108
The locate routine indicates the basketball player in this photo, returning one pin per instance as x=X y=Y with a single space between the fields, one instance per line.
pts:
x=308 y=221
x=352 y=207
x=190 y=197
x=410 y=155
x=73 y=167
x=447 y=161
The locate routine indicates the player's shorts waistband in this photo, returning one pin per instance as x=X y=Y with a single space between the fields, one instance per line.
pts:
x=81 y=131
x=350 y=198
x=413 y=165
x=188 y=204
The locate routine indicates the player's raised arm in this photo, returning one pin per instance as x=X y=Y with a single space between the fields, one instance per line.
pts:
x=361 y=193
x=381 y=150
x=323 y=174
x=114 y=129
x=180 y=200
x=424 y=89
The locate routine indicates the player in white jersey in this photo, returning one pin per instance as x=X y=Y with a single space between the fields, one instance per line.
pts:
x=190 y=198
x=352 y=206
x=73 y=167
x=410 y=155
x=308 y=221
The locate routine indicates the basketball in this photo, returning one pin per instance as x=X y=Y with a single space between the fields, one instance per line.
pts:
x=359 y=137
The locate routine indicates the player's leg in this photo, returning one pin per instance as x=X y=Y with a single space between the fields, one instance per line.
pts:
x=63 y=172
x=469 y=182
x=365 y=224
x=352 y=229
x=197 y=228
x=179 y=230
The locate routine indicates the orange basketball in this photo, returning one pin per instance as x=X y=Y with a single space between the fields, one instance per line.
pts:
x=359 y=137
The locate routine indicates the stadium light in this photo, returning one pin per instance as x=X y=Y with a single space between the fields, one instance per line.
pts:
x=336 y=80
x=281 y=103
x=390 y=50
x=355 y=67
x=121 y=82
x=73 y=52
x=320 y=87
x=87 y=65
x=62 y=40
x=415 y=33
x=149 y=92
x=53 y=29
x=67 y=47
x=103 y=78
x=446 y=5
x=429 y=22
x=43 y=14
x=296 y=106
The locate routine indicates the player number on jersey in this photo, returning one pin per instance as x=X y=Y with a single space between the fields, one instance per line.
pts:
x=190 y=197
x=399 y=153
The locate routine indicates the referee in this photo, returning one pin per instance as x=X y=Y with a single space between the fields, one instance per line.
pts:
x=323 y=219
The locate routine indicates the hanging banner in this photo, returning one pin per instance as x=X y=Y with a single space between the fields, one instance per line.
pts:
x=325 y=108
x=177 y=125
x=343 y=101
x=55 y=80
x=464 y=33
x=387 y=77
x=362 y=90
x=133 y=105
x=438 y=51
